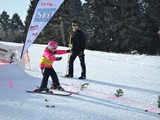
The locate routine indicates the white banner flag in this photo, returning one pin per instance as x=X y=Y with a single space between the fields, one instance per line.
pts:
x=44 y=11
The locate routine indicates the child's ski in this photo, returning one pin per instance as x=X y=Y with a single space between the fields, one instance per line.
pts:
x=66 y=91
x=51 y=93
x=72 y=92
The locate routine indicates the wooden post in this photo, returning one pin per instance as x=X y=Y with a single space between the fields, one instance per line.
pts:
x=159 y=34
x=62 y=31
x=159 y=41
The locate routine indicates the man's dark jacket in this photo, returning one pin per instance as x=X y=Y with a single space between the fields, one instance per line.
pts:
x=78 y=42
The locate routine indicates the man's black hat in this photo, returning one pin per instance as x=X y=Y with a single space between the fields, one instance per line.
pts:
x=74 y=23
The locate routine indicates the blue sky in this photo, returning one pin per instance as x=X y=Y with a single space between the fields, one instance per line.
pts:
x=15 y=6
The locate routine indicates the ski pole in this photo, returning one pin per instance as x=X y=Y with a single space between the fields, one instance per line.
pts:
x=69 y=54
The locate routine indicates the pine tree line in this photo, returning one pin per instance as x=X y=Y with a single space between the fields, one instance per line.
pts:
x=120 y=26
x=11 y=29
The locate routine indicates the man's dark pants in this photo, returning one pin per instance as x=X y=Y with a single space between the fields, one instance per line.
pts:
x=82 y=63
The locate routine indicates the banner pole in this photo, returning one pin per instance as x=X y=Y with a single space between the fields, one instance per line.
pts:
x=22 y=51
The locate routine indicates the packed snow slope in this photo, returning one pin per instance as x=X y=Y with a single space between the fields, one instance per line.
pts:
x=137 y=75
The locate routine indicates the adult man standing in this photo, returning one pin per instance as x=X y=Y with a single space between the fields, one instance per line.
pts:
x=77 y=39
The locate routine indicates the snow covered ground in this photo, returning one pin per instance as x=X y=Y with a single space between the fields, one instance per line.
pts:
x=137 y=75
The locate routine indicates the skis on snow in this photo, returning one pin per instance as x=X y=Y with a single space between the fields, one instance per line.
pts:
x=56 y=92
x=51 y=93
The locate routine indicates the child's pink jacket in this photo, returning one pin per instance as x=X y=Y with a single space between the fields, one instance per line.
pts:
x=48 y=57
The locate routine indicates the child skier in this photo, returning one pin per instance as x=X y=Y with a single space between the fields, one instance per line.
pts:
x=49 y=56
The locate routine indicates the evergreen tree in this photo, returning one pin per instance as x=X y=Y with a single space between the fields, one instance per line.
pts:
x=88 y=23
x=110 y=25
x=99 y=17
x=17 y=29
x=151 y=10
x=16 y=23
x=128 y=22
x=100 y=21
x=117 y=25
x=5 y=23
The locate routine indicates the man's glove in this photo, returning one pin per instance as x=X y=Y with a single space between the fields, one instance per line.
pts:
x=58 y=58
x=68 y=51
